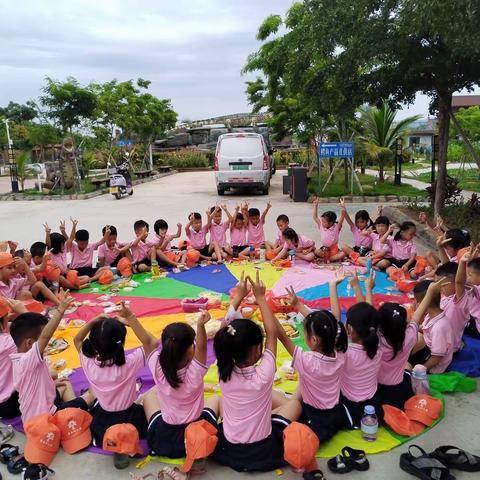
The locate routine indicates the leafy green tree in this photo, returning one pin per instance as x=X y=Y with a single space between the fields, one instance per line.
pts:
x=68 y=104
x=18 y=113
x=469 y=119
x=42 y=135
x=379 y=132
x=335 y=55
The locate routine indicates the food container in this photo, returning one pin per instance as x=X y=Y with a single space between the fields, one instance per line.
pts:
x=191 y=305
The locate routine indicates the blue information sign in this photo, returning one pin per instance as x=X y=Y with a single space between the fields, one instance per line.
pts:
x=337 y=150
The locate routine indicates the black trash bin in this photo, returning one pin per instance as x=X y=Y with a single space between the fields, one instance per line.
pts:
x=299 y=184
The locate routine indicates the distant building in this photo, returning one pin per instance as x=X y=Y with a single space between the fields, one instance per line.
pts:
x=464 y=101
x=421 y=134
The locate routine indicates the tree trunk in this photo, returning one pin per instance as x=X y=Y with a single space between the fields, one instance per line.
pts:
x=444 y=106
x=381 y=172
x=462 y=133
x=345 y=163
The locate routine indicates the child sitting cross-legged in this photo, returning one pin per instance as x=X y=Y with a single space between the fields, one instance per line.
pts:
x=469 y=271
x=238 y=234
x=163 y=251
x=38 y=393
x=362 y=242
x=255 y=223
x=303 y=247
x=273 y=249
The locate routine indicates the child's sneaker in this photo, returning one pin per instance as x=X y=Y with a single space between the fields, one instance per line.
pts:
x=37 y=471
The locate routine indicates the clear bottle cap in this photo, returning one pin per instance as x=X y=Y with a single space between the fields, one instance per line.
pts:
x=369 y=410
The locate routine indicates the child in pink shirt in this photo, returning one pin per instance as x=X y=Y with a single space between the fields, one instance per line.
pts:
x=238 y=234
x=435 y=345
x=329 y=234
x=141 y=249
x=362 y=243
x=404 y=250
x=273 y=249
x=255 y=224
x=397 y=339
x=219 y=247
x=164 y=253
x=381 y=253
x=250 y=438
x=111 y=373
x=37 y=394
x=178 y=370
x=303 y=247
x=363 y=358
x=109 y=252
x=197 y=235
x=469 y=270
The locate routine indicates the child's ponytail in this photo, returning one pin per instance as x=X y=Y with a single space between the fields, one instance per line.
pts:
x=364 y=320
x=177 y=338
x=233 y=345
x=325 y=326
x=393 y=323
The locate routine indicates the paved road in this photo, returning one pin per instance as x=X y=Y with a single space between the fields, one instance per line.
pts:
x=172 y=198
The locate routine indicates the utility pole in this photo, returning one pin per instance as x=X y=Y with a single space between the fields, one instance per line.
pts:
x=11 y=161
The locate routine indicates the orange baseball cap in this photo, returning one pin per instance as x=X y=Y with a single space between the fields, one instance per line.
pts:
x=5 y=259
x=400 y=423
x=72 y=277
x=52 y=273
x=200 y=441
x=125 y=268
x=398 y=274
x=122 y=438
x=43 y=439
x=74 y=425
x=106 y=277
x=462 y=252
x=300 y=446
x=5 y=308
x=423 y=408
x=193 y=256
x=183 y=244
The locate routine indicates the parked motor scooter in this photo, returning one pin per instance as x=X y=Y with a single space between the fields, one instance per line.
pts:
x=120 y=179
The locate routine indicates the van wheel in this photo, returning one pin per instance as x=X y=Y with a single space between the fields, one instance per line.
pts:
x=265 y=190
x=220 y=191
x=130 y=192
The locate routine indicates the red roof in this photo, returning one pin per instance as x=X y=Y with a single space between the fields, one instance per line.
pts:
x=465 y=101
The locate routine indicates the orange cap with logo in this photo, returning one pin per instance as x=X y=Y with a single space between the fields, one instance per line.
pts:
x=5 y=259
x=52 y=272
x=106 y=277
x=423 y=408
x=400 y=423
x=124 y=266
x=122 y=438
x=200 y=441
x=74 y=425
x=72 y=277
x=300 y=446
x=193 y=256
x=43 y=439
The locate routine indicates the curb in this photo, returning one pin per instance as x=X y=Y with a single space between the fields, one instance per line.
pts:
x=9 y=197
x=368 y=199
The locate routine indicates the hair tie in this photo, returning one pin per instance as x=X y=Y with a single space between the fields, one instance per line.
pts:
x=231 y=331
x=172 y=339
x=395 y=313
x=119 y=342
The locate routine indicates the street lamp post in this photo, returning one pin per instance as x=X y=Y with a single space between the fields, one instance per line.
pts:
x=434 y=156
x=398 y=162
x=12 y=164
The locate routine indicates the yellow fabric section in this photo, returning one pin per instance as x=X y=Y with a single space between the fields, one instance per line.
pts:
x=154 y=325
x=268 y=273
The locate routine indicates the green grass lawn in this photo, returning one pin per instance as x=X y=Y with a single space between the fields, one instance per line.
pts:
x=469 y=179
x=336 y=188
x=86 y=187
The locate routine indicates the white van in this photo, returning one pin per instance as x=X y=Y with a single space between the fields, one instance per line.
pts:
x=242 y=161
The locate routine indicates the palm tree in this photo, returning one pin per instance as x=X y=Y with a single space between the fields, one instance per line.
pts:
x=379 y=132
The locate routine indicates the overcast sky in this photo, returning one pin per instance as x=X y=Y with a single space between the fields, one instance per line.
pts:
x=191 y=50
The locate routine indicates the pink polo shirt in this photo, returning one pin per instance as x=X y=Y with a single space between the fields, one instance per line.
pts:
x=247 y=401
x=378 y=246
x=360 y=374
x=81 y=258
x=238 y=236
x=458 y=314
x=11 y=289
x=280 y=240
x=256 y=235
x=183 y=404
x=303 y=244
x=60 y=260
x=198 y=240
x=360 y=240
x=329 y=236
x=108 y=255
x=474 y=304
x=439 y=338
x=140 y=251
x=319 y=377
x=114 y=387
x=392 y=369
x=218 y=233
x=158 y=241
x=403 y=249
x=32 y=380
x=7 y=347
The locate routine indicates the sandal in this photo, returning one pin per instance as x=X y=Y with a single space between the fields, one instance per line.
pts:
x=7 y=452
x=314 y=475
x=121 y=461
x=349 y=459
x=453 y=457
x=17 y=464
x=6 y=433
x=38 y=471
x=424 y=466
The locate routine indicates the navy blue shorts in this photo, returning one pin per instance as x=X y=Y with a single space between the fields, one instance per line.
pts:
x=420 y=357
x=397 y=395
x=78 y=402
x=262 y=456
x=355 y=410
x=205 y=251
x=325 y=423
x=169 y=440
x=10 y=408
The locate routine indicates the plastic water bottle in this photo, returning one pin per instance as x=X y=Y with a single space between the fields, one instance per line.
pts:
x=291 y=256
x=155 y=269
x=369 y=424
x=420 y=385
x=369 y=265
x=263 y=252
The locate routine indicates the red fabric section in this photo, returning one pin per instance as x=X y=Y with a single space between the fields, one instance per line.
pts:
x=347 y=302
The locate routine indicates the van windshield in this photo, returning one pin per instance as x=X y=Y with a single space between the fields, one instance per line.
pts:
x=241 y=146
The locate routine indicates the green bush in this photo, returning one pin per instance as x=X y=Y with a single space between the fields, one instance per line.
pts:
x=184 y=159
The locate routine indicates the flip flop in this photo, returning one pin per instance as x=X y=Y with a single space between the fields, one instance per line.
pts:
x=6 y=433
x=38 y=471
x=456 y=458
x=313 y=475
x=349 y=459
x=424 y=466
